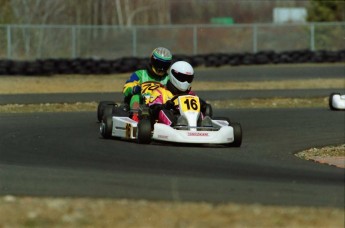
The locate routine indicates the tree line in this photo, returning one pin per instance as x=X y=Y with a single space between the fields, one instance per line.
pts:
x=158 y=12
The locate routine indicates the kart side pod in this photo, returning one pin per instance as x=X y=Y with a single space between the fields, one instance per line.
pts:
x=124 y=127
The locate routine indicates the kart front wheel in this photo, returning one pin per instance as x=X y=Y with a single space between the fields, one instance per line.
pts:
x=237 y=134
x=106 y=126
x=144 y=131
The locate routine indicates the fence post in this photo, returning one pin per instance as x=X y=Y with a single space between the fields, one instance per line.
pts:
x=9 y=42
x=134 y=41
x=255 y=38
x=74 y=41
x=312 y=37
x=195 y=40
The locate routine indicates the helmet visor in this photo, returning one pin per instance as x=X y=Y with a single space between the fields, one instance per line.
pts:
x=160 y=65
x=182 y=77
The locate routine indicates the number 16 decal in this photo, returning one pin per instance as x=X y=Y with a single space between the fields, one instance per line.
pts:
x=189 y=103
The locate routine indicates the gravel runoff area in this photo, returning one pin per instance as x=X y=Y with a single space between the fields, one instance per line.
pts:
x=84 y=212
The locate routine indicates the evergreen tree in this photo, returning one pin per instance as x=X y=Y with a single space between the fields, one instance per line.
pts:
x=326 y=10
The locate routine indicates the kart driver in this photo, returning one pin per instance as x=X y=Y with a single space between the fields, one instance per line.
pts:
x=156 y=71
x=162 y=108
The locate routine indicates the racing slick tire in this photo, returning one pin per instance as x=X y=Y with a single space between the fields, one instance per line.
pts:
x=332 y=101
x=237 y=134
x=208 y=110
x=144 y=132
x=101 y=107
x=106 y=126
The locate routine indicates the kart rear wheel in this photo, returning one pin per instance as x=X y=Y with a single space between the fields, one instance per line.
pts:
x=101 y=107
x=106 y=126
x=237 y=134
x=208 y=110
x=144 y=131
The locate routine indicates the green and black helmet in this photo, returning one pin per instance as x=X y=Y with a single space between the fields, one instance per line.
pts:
x=160 y=61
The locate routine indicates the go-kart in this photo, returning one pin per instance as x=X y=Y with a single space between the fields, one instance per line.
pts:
x=190 y=127
x=336 y=101
x=123 y=107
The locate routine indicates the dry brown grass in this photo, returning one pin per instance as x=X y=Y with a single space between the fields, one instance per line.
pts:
x=114 y=83
x=83 y=212
x=239 y=103
x=338 y=151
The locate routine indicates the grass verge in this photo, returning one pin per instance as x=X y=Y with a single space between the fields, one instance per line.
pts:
x=84 y=212
x=238 y=103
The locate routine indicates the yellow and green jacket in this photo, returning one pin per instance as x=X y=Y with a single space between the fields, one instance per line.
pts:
x=141 y=76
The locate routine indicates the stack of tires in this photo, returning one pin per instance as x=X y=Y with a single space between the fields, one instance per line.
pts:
x=130 y=64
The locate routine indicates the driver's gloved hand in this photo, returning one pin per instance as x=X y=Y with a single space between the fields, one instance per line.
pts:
x=169 y=104
x=136 y=89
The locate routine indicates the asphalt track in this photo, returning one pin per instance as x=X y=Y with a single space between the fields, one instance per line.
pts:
x=62 y=154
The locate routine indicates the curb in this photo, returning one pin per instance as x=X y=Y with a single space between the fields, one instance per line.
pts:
x=335 y=161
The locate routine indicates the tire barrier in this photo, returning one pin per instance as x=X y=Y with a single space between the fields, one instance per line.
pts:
x=46 y=67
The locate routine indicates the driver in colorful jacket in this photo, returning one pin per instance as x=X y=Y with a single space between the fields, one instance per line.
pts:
x=162 y=108
x=160 y=61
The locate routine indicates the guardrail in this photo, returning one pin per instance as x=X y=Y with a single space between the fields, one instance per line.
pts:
x=30 y=42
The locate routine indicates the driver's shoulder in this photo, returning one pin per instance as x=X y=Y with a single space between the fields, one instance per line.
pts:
x=141 y=72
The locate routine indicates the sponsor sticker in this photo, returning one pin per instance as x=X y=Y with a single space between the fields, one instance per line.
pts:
x=162 y=136
x=197 y=134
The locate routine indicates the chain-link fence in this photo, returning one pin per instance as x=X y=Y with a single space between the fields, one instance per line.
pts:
x=30 y=42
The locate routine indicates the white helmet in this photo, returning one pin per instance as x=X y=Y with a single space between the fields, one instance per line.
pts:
x=181 y=75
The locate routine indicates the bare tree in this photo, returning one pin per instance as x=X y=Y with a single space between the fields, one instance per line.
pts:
x=138 y=12
x=35 y=12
